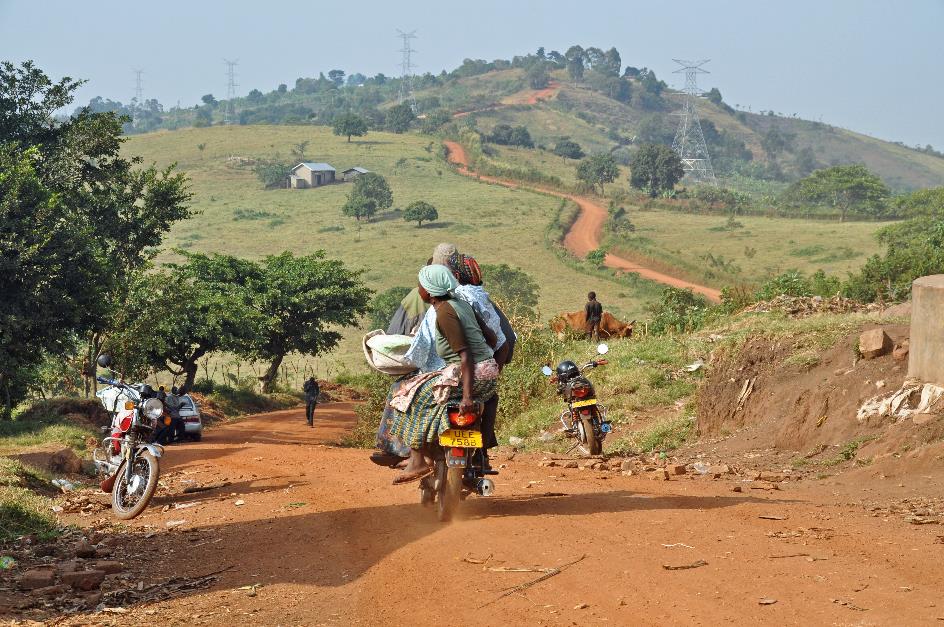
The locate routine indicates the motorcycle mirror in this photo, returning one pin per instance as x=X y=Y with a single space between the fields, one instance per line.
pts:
x=603 y=349
x=546 y=371
x=104 y=360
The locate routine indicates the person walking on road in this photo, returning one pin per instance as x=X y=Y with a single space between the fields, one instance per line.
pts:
x=311 y=400
x=594 y=311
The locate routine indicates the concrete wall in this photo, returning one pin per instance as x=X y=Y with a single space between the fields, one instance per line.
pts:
x=926 y=350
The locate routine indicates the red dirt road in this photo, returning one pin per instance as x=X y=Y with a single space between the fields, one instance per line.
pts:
x=584 y=235
x=326 y=540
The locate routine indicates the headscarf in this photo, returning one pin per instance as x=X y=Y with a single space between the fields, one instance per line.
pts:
x=443 y=252
x=437 y=280
x=465 y=269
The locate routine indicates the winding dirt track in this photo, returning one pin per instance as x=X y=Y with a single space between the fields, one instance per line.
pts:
x=327 y=540
x=584 y=235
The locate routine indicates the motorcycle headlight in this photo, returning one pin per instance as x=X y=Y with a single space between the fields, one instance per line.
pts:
x=152 y=408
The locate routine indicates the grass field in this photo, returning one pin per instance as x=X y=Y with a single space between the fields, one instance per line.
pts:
x=236 y=216
x=761 y=247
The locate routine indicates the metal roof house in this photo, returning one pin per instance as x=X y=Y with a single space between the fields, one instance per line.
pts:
x=352 y=173
x=311 y=174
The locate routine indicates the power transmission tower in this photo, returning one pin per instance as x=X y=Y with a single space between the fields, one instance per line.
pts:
x=229 y=112
x=138 y=103
x=406 y=70
x=689 y=140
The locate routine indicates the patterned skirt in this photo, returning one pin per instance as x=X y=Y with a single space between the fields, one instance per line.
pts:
x=425 y=419
x=386 y=442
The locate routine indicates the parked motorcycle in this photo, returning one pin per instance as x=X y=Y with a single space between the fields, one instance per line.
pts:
x=459 y=467
x=584 y=419
x=126 y=458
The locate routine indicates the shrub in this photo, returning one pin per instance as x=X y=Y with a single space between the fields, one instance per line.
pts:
x=678 y=311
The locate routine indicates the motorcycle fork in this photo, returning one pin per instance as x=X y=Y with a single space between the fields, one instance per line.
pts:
x=129 y=462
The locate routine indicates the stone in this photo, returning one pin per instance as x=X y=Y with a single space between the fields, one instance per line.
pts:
x=109 y=567
x=571 y=464
x=926 y=356
x=737 y=488
x=84 y=549
x=547 y=463
x=660 y=474
x=921 y=419
x=874 y=343
x=604 y=466
x=37 y=578
x=626 y=465
x=84 y=579
x=676 y=469
x=70 y=566
x=51 y=591
x=627 y=473
x=718 y=470
x=773 y=477
x=900 y=353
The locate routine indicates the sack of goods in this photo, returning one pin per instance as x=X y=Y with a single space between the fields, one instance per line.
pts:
x=386 y=352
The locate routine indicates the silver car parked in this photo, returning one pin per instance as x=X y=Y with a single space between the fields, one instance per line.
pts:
x=188 y=410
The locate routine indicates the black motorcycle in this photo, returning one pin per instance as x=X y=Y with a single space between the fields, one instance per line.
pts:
x=459 y=464
x=584 y=419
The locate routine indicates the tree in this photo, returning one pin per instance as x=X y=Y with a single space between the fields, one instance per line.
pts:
x=537 y=75
x=254 y=97
x=575 y=59
x=125 y=211
x=46 y=271
x=847 y=188
x=506 y=135
x=272 y=173
x=568 y=148
x=611 y=62
x=521 y=137
x=336 y=77
x=369 y=194
x=298 y=150
x=435 y=120
x=399 y=118
x=655 y=168
x=203 y=117
x=384 y=305
x=300 y=302
x=714 y=96
x=513 y=289
x=598 y=170
x=350 y=124
x=209 y=100
x=420 y=211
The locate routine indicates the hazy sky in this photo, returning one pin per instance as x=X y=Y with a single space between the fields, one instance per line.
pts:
x=869 y=65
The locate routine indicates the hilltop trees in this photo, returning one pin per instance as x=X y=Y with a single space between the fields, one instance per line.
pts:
x=400 y=117
x=847 y=188
x=655 y=168
x=420 y=211
x=537 y=75
x=350 y=124
x=568 y=149
x=506 y=135
x=598 y=170
x=574 y=58
x=369 y=194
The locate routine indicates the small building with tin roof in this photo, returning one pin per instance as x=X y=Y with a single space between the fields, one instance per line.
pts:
x=311 y=174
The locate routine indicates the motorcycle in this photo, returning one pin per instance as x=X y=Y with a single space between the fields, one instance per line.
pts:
x=126 y=457
x=584 y=419
x=459 y=466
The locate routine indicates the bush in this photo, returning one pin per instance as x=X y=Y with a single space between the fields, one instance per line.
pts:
x=513 y=289
x=273 y=174
x=374 y=387
x=384 y=305
x=678 y=311
x=568 y=149
x=795 y=283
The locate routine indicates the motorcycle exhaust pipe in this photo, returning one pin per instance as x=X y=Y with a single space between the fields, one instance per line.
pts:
x=485 y=487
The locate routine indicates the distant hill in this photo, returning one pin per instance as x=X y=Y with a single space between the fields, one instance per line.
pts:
x=586 y=94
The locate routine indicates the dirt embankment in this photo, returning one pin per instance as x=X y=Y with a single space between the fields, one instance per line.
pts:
x=769 y=395
x=584 y=235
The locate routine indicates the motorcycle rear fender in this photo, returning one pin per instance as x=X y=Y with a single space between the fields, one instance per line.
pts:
x=154 y=449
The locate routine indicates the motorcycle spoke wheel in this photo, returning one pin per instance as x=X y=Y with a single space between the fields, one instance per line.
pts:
x=129 y=499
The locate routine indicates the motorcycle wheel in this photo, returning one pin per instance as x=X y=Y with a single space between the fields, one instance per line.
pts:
x=589 y=443
x=126 y=506
x=450 y=489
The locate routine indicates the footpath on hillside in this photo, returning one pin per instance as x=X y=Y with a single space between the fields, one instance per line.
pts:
x=267 y=521
x=584 y=235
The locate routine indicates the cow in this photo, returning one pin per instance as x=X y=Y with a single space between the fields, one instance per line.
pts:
x=610 y=327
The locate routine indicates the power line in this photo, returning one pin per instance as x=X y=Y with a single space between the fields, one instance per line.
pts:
x=406 y=69
x=229 y=112
x=689 y=140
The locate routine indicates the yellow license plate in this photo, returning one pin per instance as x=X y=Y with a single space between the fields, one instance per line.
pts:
x=584 y=403
x=461 y=438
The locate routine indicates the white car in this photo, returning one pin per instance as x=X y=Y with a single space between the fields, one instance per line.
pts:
x=189 y=412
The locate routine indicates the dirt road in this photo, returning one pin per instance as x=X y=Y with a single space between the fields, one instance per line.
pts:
x=327 y=540
x=584 y=235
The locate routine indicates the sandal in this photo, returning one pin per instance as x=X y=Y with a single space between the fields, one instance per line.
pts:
x=386 y=459
x=412 y=476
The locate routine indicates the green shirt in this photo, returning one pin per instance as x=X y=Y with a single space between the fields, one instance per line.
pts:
x=457 y=329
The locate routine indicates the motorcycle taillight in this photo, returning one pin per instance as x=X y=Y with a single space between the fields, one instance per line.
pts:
x=460 y=420
x=581 y=392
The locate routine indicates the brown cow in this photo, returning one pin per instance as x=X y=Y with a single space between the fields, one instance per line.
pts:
x=610 y=327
